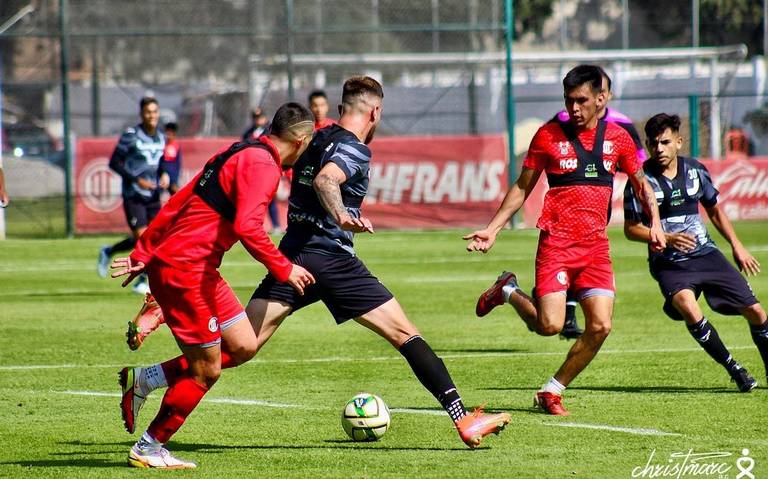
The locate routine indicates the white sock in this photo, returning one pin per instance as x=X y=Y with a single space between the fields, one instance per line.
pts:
x=148 y=443
x=151 y=378
x=571 y=303
x=553 y=386
x=507 y=290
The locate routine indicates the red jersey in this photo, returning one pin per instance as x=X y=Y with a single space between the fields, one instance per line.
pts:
x=578 y=211
x=324 y=123
x=189 y=235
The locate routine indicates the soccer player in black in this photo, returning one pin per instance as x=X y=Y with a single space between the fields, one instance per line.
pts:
x=692 y=264
x=138 y=160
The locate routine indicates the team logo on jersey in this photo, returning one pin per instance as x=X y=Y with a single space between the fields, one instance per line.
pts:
x=563 y=146
x=607 y=147
x=590 y=171
x=213 y=324
x=562 y=278
x=306 y=175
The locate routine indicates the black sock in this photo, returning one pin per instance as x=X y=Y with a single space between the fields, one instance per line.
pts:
x=760 y=337
x=126 y=245
x=706 y=335
x=431 y=371
x=570 y=306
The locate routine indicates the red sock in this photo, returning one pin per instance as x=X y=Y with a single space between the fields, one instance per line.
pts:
x=178 y=367
x=178 y=402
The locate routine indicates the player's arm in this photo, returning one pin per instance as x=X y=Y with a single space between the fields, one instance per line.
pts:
x=644 y=194
x=744 y=259
x=327 y=185
x=3 y=192
x=483 y=240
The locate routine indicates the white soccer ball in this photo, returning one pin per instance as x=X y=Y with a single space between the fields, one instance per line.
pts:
x=365 y=417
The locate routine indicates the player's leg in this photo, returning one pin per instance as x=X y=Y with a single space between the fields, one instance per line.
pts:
x=758 y=326
x=135 y=215
x=390 y=322
x=598 y=311
x=145 y=213
x=178 y=403
x=571 y=329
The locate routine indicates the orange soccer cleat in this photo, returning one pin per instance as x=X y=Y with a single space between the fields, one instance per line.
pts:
x=493 y=296
x=550 y=403
x=474 y=427
x=150 y=317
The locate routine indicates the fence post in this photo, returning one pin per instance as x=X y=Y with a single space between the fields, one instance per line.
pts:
x=693 y=115
x=509 y=30
x=63 y=59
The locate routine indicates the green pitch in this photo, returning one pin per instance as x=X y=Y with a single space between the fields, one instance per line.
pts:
x=650 y=389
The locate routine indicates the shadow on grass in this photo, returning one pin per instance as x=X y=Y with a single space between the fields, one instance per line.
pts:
x=67 y=463
x=483 y=350
x=631 y=389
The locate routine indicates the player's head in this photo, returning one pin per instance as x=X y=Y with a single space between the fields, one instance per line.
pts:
x=605 y=86
x=663 y=138
x=171 y=130
x=292 y=127
x=318 y=104
x=363 y=96
x=149 y=110
x=583 y=93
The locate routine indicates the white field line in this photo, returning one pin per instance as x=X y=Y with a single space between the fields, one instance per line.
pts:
x=605 y=427
x=426 y=412
x=336 y=359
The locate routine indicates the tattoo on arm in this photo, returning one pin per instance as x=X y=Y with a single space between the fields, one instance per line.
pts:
x=329 y=193
x=645 y=194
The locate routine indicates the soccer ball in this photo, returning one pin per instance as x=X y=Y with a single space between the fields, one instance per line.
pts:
x=365 y=417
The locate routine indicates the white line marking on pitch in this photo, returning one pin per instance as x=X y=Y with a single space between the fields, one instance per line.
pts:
x=605 y=427
x=426 y=412
x=21 y=367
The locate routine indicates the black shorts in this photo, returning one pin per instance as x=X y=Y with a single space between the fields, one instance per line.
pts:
x=724 y=288
x=139 y=212
x=343 y=283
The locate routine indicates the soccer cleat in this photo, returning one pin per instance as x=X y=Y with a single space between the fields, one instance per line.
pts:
x=149 y=318
x=474 y=427
x=141 y=287
x=571 y=329
x=131 y=403
x=156 y=459
x=102 y=264
x=744 y=381
x=550 y=403
x=493 y=296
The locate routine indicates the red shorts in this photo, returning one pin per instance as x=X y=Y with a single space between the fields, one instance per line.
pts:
x=196 y=305
x=579 y=265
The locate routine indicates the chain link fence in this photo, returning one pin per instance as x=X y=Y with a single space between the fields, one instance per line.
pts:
x=209 y=62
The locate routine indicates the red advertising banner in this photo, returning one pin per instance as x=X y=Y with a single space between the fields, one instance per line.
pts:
x=416 y=182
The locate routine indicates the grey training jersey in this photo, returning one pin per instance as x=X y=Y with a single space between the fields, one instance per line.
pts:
x=138 y=155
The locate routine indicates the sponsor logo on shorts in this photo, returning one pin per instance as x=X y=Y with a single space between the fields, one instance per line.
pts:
x=213 y=324
x=562 y=278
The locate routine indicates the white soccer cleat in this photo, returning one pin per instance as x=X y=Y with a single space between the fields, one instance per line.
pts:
x=157 y=459
x=141 y=287
x=102 y=264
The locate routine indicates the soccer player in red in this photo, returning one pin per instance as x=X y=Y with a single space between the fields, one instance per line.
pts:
x=579 y=159
x=181 y=252
x=318 y=105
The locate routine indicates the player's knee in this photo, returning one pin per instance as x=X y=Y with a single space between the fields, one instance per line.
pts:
x=755 y=314
x=548 y=329
x=599 y=330
x=244 y=352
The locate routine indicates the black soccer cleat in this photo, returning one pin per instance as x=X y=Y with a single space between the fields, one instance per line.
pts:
x=571 y=329
x=744 y=381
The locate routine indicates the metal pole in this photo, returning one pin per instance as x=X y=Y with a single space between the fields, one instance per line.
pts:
x=695 y=23
x=693 y=119
x=625 y=24
x=289 y=21
x=435 y=24
x=765 y=28
x=63 y=60
x=714 y=110
x=95 y=90
x=2 y=210
x=509 y=23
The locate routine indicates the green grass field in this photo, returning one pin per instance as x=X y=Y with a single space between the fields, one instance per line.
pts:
x=651 y=388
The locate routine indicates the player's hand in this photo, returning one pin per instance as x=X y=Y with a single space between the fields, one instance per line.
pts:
x=164 y=181
x=746 y=262
x=480 y=240
x=145 y=184
x=126 y=266
x=300 y=278
x=681 y=241
x=358 y=225
x=4 y=199
x=657 y=240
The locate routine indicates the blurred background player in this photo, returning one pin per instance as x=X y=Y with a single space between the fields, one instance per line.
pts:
x=692 y=264
x=172 y=157
x=329 y=185
x=318 y=105
x=181 y=252
x=260 y=126
x=571 y=329
x=4 y=199
x=580 y=158
x=138 y=160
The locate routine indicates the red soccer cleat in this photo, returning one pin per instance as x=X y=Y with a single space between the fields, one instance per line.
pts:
x=474 y=427
x=132 y=401
x=550 y=403
x=493 y=296
x=150 y=317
